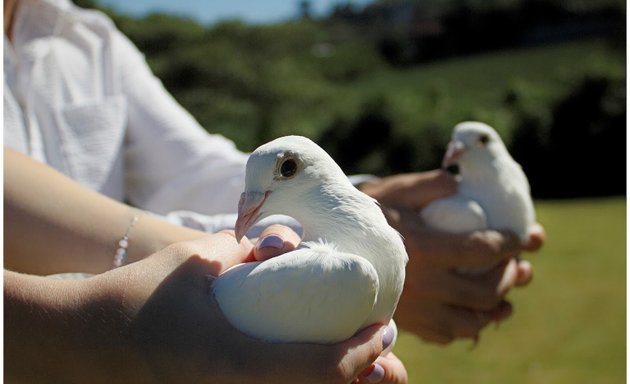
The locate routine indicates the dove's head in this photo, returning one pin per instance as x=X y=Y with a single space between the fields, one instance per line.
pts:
x=473 y=146
x=280 y=179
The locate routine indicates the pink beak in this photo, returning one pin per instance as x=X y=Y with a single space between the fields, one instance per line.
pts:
x=453 y=153
x=248 y=211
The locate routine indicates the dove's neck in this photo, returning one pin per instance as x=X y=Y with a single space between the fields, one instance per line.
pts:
x=499 y=170
x=346 y=218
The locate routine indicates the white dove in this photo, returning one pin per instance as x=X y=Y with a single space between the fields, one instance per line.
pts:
x=347 y=274
x=492 y=192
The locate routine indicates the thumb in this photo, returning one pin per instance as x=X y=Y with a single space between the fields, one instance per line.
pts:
x=387 y=369
x=274 y=241
x=362 y=350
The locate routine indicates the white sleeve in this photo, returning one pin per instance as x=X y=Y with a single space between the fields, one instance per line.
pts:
x=172 y=163
x=215 y=223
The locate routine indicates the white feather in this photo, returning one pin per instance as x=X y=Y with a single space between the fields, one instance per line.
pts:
x=270 y=304
x=348 y=275
x=455 y=214
x=493 y=191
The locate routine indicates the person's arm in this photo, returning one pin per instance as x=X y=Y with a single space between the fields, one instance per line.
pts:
x=152 y=318
x=412 y=191
x=53 y=224
x=63 y=331
x=171 y=162
x=156 y=321
x=439 y=304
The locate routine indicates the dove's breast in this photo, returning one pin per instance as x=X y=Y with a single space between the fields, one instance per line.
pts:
x=508 y=208
x=456 y=214
x=311 y=295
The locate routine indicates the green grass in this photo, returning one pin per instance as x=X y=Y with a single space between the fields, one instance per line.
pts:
x=569 y=324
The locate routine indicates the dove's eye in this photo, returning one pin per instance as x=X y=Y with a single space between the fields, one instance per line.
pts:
x=288 y=168
x=484 y=139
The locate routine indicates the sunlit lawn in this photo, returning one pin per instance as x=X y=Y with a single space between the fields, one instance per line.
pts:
x=569 y=324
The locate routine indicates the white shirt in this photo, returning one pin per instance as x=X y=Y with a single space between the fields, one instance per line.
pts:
x=79 y=96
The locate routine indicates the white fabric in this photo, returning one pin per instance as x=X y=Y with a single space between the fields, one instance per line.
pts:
x=80 y=97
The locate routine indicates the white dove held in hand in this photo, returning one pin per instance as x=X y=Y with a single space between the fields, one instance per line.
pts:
x=348 y=272
x=492 y=192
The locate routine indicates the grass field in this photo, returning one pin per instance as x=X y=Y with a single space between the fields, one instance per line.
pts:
x=569 y=324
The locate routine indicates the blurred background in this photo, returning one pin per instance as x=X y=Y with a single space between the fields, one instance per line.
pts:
x=380 y=84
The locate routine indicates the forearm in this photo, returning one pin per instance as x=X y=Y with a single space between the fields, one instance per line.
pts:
x=53 y=224
x=64 y=331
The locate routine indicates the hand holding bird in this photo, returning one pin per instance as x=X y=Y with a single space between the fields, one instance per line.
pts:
x=347 y=275
x=493 y=191
x=438 y=304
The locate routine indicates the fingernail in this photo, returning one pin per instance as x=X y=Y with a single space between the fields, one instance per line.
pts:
x=211 y=277
x=388 y=336
x=376 y=375
x=272 y=241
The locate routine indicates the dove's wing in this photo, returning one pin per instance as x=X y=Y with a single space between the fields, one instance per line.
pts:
x=455 y=214
x=313 y=294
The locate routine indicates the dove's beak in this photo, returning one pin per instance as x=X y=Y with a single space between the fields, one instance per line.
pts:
x=453 y=153
x=248 y=211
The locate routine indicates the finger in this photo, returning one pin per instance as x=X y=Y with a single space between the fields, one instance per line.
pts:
x=360 y=352
x=411 y=190
x=275 y=240
x=422 y=188
x=448 y=323
x=434 y=336
x=524 y=273
x=509 y=277
x=386 y=369
x=501 y=312
x=465 y=323
x=221 y=249
x=472 y=249
x=537 y=237
x=474 y=292
x=245 y=244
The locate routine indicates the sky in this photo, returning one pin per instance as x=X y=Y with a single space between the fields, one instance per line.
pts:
x=211 y=11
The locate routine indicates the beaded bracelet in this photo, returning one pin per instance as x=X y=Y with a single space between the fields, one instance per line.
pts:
x=123 y=245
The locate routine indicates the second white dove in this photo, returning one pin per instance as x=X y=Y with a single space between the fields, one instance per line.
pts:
x=493 y=191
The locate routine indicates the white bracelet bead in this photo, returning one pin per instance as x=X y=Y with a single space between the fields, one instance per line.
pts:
x=123 y=245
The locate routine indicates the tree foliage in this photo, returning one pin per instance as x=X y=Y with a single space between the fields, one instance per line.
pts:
x=340 y=79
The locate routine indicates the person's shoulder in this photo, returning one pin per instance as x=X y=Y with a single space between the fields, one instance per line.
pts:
x=89 y=16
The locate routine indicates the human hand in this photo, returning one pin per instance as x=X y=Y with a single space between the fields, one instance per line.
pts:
x=411 y=191
x=275 y=240
x=387 y=369
x=278 y=239
x=176 y=327
x=438 y=303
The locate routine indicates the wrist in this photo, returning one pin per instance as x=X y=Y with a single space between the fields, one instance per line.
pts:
x=152 y=234
x=107 y=312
